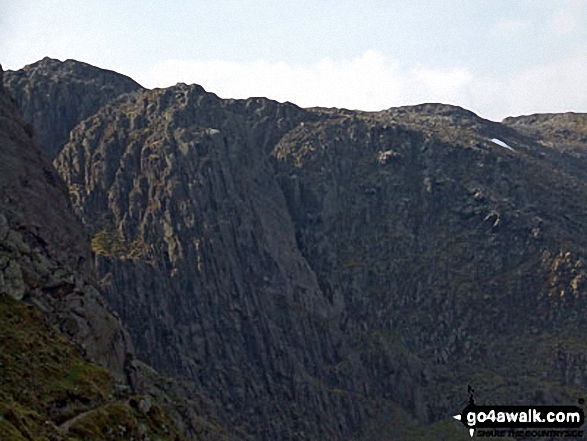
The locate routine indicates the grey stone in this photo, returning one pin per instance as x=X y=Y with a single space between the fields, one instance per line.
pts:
x=13 y=280
x=14 y=239
x=145 y=405
x=4 y=228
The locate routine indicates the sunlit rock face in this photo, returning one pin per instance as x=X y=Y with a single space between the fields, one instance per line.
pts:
x=335 y=274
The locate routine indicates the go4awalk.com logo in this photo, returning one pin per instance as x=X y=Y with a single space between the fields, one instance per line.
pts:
x=522 y=421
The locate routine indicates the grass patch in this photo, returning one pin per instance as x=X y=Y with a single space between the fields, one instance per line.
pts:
x=112 y=244
x=121 y=421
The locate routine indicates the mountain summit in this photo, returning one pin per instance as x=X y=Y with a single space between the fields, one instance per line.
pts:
x=55 y=96
x=332 y=274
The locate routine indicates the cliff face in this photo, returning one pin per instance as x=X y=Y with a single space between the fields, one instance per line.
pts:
x=469 y=254
x=330 y=274
x=197 y=252
x=55 y=96
x=47 y=252
x=67 y=369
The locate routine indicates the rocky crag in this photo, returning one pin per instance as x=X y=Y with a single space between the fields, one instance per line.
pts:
x=335 y=274
x=67 y=366
x=55 y=96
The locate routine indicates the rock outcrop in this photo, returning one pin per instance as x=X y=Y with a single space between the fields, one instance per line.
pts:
x=335 y=274
x=46 y=252
x=55 y=96
x=197 y=252
x=469 y=254
x=67 y=366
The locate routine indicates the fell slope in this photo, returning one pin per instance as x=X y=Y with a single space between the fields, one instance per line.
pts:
x=467 y=254
x=67 y=367
x=331 y=274
x=46 y=248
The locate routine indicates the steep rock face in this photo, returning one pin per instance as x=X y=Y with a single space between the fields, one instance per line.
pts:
x=197 y=252
x=67 y=369
x=46 y=251
x=381 y=259
x=562 y=138
x=55 y=96
x=470 y=255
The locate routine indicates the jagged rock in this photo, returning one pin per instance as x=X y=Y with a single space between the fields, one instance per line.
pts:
x=45 y=260
x=13 y=282
x=55 y=96
x=256 y=287
x=310 y=268
x=387 y=221
x=4 y=229
x=145 y=405
x=14 y=240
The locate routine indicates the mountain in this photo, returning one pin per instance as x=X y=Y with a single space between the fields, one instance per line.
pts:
x=469 y=255
x=335 y=274
x=55 y=96
x=67 y=366
x=197 y=252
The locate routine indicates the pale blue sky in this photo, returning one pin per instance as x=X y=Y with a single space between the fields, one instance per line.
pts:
x=495 y=57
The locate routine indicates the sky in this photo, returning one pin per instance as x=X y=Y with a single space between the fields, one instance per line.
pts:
x=497 y=58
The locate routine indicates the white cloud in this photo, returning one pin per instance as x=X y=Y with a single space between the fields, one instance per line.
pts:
x=368 y=82
x=447 y=85
x=567 y=16
x=374 y=82
x=555 y=87
x=509 y=27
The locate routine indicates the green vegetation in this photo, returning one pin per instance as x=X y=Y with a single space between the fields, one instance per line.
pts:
x=393 y=423
x=123 y=421
x=40 y=369
x=113 y=244
x=46 y=385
